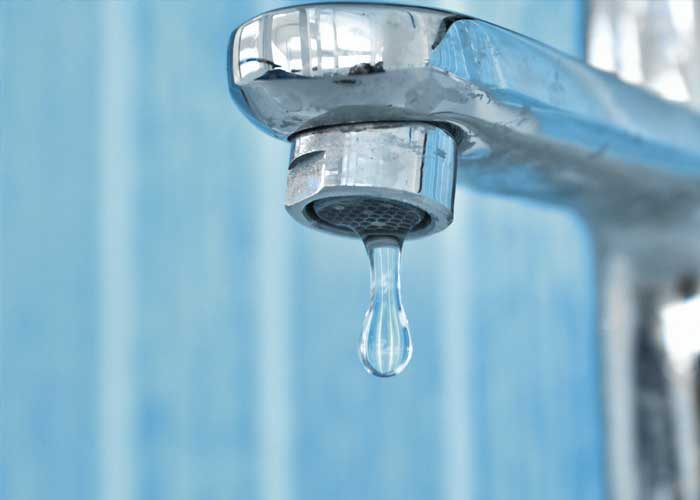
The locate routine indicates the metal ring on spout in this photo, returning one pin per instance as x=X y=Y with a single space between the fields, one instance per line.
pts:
x=409 y=166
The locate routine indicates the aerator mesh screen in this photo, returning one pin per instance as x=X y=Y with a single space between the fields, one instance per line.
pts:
x=370 y=216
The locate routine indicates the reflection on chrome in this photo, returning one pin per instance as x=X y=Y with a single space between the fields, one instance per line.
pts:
x=681 y=331
x=309 y=41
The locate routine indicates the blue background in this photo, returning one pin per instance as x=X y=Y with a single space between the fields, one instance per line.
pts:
x=169 y=332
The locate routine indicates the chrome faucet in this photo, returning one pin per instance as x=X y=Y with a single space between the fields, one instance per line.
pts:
x=401 y=103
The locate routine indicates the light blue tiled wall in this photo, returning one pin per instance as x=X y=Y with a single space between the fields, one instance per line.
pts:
x=168 y=332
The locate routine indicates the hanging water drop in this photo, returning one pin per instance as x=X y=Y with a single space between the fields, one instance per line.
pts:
x=385 y=344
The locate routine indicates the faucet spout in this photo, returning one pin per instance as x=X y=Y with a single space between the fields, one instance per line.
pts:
x=529 y=120
x=517 y=118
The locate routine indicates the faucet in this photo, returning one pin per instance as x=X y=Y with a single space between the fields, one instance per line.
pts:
x=389 y=107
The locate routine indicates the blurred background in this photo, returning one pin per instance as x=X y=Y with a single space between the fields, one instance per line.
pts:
x=167 y=331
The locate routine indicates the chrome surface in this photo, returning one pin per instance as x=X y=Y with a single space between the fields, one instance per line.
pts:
x=527 y=121
x=413 y=164
x=318 y=65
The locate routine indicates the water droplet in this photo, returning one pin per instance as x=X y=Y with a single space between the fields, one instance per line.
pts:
x=385 y=344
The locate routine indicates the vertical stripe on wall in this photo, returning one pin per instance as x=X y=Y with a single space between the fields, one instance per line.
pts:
x=274 y=337
x=455 y=342
x=117 y=292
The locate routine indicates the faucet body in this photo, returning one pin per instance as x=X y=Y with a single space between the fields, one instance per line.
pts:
x=519 y=119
